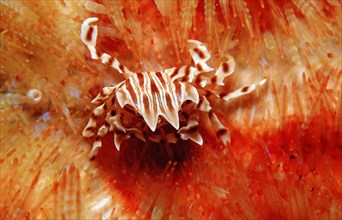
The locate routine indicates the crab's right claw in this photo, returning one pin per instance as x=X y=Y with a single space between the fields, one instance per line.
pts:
x=89 y=35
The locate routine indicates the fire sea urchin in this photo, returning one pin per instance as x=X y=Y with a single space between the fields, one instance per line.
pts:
x=284 y=157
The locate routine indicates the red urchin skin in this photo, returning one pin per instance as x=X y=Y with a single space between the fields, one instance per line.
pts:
x=285 y=165
x=290 y=172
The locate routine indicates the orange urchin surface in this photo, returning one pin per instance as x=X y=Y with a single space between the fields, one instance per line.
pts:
x=284 y=159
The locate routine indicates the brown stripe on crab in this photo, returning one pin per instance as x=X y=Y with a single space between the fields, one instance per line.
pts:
x=144 y=103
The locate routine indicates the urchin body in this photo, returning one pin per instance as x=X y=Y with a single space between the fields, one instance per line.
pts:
x=157 y=106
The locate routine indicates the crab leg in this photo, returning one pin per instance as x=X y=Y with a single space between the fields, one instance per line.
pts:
x=112 y=122
x=242 y=91
x=190 y=131
x=101 y=99
x=222 y=132
x=89 y=37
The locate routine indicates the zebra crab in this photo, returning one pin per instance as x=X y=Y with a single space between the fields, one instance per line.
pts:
x=158 y=106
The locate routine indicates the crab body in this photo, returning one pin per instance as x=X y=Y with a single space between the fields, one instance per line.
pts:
x=161 y=105
x=154 y=94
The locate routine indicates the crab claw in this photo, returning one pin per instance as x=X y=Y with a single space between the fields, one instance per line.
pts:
x=200 y=55
x=89 y=35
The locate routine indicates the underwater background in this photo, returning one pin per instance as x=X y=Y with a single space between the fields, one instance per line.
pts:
x=284 y=159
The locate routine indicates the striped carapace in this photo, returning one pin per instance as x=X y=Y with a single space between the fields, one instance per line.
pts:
x=158 y=106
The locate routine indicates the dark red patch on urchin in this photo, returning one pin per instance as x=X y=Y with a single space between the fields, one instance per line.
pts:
x=265 y=171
